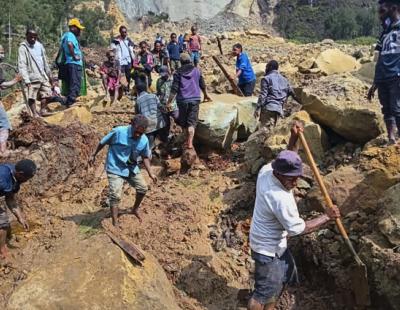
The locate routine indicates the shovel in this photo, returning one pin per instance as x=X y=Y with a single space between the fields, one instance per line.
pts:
x=359 y=271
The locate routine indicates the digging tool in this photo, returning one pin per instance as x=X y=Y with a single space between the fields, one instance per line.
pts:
x=359 y=272
x=235 y=88
x=219 y=45
x=128 y=247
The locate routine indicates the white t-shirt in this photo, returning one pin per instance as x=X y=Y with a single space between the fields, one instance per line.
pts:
x=275 y=216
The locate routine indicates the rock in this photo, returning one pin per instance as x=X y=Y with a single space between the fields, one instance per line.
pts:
x=367 y=72
x=262 y=146
x=188 y=159
x=389 y=221
x=327 y=42
x=340 y=104
x=87 y=280
x=226 y=118
x=75 y=113
x=306 y=65
x=259 y=69
x=335 y=61
x=258 y=33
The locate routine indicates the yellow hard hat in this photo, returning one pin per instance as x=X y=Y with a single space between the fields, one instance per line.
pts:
x=75 y=22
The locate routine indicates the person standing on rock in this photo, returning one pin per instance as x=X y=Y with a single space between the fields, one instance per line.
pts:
x=275 y=218
x=387 y=70
x=194 y=47
x=127 y=145
x=123 y=48
x=73 y=61
x=244 y=71
x=11 y=178
x=275 y=90
x=5 y=125
x=36 y=72
x=187 y=86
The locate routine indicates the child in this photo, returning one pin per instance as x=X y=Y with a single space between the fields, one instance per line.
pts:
x=195 y=46
x=5 y=125
x=111 y=75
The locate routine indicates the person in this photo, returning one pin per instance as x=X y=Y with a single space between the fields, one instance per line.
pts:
x=244 y=71
x=111 y=76
x=36 y=73
x=174 y=51
x=127 y=144
x=387 y=70
x=194 y=46
x=164 y=86
x=186 y=86
x=123 y=48
x=181 y=41
x=276 y=217
x=149 y=105
x=143 y=64
x=275 y=90
x=11 y=178
x=5 y=125
x=73 y=60
x=160 y=56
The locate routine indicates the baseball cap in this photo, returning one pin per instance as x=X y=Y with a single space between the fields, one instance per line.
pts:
x=75 y=22
x=164 y=71
x=288 y=163
x=185 y=57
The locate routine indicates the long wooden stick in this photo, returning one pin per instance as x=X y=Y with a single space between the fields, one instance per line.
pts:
x=327 y=198
x=235 y=88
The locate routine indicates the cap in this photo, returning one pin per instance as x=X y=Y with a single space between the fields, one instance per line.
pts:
x=75 y=22
x=185 y=57
x=164 y=71
x=288 y=163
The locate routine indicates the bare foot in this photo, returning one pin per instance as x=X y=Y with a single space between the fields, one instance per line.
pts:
x=136 y=213
x=4 y=252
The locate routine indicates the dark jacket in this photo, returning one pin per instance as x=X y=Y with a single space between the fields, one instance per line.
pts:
x=188 y=83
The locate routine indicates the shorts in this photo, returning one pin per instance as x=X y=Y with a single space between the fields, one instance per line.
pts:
x=116 y=184
x=271 y=275
x=188 y=114
x=3 y=135
x=175 y=64
x=247 y=88
x=4 y=219
x=39 y=91
x=195 y=55
x=112 y=83
x=389 y=97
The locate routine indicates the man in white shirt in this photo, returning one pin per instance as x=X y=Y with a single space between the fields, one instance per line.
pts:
x=35 y=71
x=123 y=48
x=275 y=218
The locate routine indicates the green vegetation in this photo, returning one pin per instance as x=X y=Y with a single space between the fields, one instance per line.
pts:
x=310 y=21
x=50 y=18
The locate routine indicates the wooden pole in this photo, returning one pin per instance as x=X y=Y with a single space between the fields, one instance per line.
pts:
x=219 y=45
x=235 y=88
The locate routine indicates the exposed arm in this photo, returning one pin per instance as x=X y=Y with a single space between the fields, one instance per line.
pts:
x=147 y=165
x=238 y=73
x=15 y=209
x=106 y=140
x=293 y=144
x=71 y=50
x=314 y=224
x=11 y=83
x=23 y=64
x=263 y=94
x=174 y=88
x=203 y=88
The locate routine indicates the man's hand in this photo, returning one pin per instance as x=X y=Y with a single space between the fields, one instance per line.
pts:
x=92 y=160
x=333 y=213
x=18 y=78
x=297 y=127
x=256 y=114
x=24 y=223
x=153 y=177
x=76 y=57
x=371 y=92
x=207 y=99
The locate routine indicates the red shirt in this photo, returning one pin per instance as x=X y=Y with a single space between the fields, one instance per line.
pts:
x=195 y=43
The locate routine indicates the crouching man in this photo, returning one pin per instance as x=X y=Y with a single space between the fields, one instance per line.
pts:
x=11 y=177
x=275 y=218
x=126 y=145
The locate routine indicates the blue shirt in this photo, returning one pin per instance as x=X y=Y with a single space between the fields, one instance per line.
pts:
x=8 y=183
x=388 y=64
x=174 y=50
x=243 y=63
x=69 y=37
x=124 y=151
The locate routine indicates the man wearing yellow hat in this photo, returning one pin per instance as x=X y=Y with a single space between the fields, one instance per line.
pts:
x=73 y=60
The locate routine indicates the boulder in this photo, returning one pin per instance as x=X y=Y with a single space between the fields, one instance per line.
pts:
x=389 y=222
x=258 y=33
x=306 y=65
x=225 y=119
x=339 y=102
x=259 y=69
x=334 y=61
x=86 y=280
x=75 y=113
x=263 y=146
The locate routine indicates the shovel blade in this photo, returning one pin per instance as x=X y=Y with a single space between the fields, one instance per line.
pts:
x=360 y=286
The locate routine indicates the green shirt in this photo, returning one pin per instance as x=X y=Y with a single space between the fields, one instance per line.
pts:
x=164 y=91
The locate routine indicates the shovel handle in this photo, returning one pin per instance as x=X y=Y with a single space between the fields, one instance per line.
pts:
x=327 y=198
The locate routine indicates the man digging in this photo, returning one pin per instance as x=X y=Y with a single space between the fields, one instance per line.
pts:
x=11 y=177
x=275 y=218
x=126 y=144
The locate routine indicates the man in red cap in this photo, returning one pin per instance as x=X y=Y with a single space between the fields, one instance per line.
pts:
x=275 y=218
